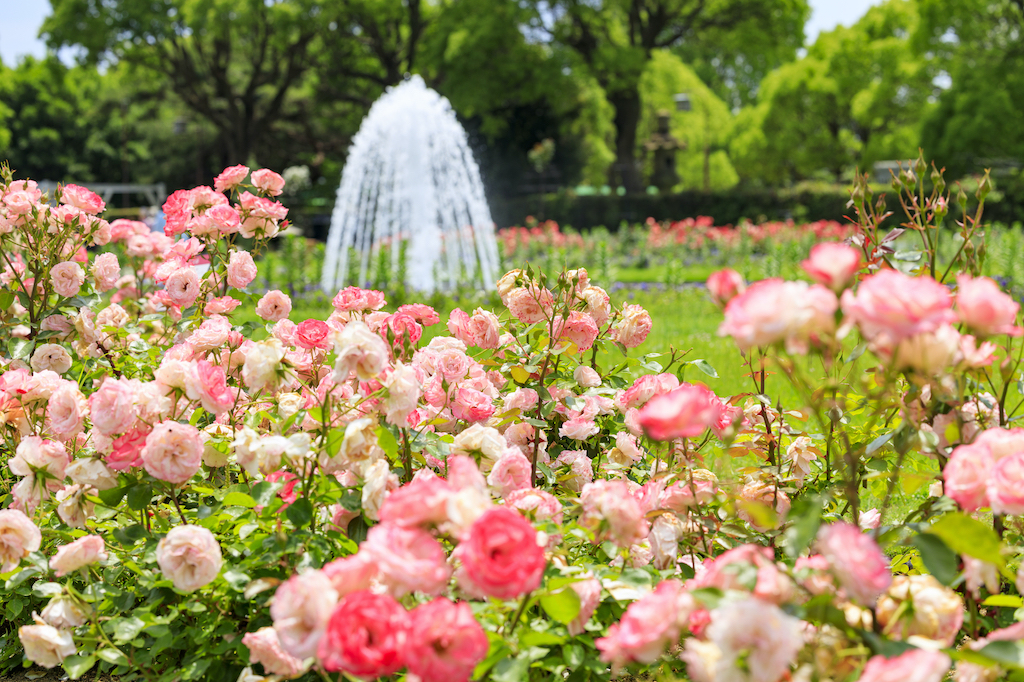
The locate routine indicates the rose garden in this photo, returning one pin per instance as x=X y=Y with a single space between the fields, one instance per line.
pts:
x=513 y=492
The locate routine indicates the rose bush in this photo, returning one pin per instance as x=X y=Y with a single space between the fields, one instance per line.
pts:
x=524 y=497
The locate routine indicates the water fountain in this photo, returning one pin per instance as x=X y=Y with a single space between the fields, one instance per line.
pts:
x=411 y=199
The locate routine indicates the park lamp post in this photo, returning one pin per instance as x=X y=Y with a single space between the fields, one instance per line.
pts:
x=684 y=103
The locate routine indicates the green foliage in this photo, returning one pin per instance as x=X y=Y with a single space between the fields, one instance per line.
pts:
x=702 y=129
x=857 y=97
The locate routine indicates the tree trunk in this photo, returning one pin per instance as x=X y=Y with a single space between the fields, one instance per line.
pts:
x=627 y=118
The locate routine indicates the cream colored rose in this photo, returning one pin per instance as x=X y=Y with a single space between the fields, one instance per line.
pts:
x=51 y=356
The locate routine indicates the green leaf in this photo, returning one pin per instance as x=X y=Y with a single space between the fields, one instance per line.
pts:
x=76 y=666
x=938 y=558
x=112 y=656
x=237 y=499
x=139 y=496
x=357 y=530
x=1007 y=653
x=264 y=491
x=805 y=520
x=300 y=513
x=562 y=606
x=1008 y=600
x=125 y=629
x=112 y=496
x=46 y=589
x=533 y=638
x=511 y=670
x=705 y=367
x=19 y=349
x=237 y=580
x=6 y=299
x=386 y=441
x=966 y=535
x=195 y=669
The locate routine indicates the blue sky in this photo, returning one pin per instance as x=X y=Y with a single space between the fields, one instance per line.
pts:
x=22 y=18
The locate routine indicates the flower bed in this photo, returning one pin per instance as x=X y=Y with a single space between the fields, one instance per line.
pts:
x=517 y=499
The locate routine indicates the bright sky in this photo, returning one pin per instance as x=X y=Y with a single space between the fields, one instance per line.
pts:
x=22 y=18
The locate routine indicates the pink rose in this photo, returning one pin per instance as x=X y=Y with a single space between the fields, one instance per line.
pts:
x=752 y=634
x=855 y=559
x=230 y=178
x=649 y=625
x=45 y=645
x=67 y=278
x=182 y=287
x=685 y=494
x=301 y=608
x=773 y=311
x=403 y=393
x=173 y=452
x=1006 y=485
x=589 y=592
x=472 y=405
x=685 y=412
x=725 y=285
x=354 y=299
x=633 y=326
x=358 y=349
x=538 y=505
x=510 y=472
x=613 y=513
x=35 y=454
x=421 y=502
x=312 y=334
x=126 y=450
x=366 y=636
x=82 y=198
x=265 y=649
x=275 y=305
x=421 y=312
x=890 y=306
x=241 y=269
x=106 y=271
x=224 y=218
x=586 y=377
x=579 y=428
x=645 y=388
x=445 y=643
x=529 y=305
x=500 y=555
x=1002 y=442
x=18 y=538
x=409 y=559
x=581 y=469
x=189 y=556
x=82 y=552
x=916 y=665
x=208 y=384
x=832 y=265
x=967 y=475
x=984 y=307
x=66 y=411
x=579 y=330
x=268 y=181
x=352 y=573
x=221 y=305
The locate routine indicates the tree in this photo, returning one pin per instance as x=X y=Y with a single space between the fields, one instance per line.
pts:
x=615 y=39
x=857 y=97
x=979 y=119
x=236 y=63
